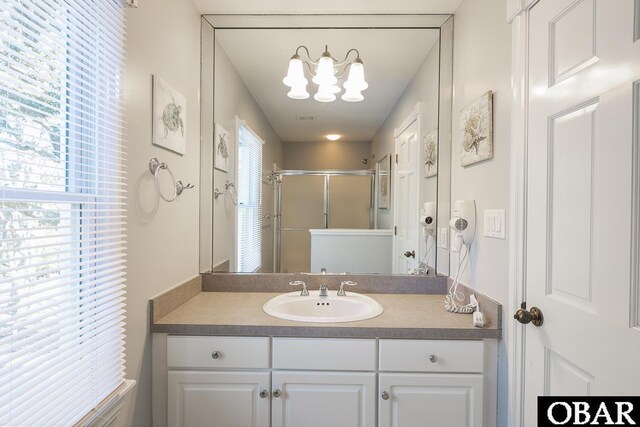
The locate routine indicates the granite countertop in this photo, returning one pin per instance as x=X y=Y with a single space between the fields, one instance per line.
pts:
x=240 y=313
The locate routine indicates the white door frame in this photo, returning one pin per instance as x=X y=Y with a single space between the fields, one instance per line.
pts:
x=518 y=13
x=414 y=116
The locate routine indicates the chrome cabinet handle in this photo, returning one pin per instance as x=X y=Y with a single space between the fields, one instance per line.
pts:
x=264 y=394
x=277 y=393
x=433 y=358
x=385 y=395
x=216 y=355
x=411 y=254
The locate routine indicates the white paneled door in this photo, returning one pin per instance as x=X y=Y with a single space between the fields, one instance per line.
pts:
x=584 y=65
x=406 y=199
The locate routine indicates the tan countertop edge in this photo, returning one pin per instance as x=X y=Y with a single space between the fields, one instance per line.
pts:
x=240 y=313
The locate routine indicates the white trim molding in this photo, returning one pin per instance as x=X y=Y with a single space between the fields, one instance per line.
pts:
x=518 y=206
x=517 y=7
x=106 y=412
x=635 y=212
x=413 y=116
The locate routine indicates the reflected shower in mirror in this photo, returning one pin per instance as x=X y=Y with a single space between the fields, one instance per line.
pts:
x=350 y=155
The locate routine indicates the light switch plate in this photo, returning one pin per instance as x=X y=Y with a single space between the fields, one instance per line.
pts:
x=443 y=237
x=494 y=223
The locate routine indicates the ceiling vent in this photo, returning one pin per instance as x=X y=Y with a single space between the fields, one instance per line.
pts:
x=306 y=117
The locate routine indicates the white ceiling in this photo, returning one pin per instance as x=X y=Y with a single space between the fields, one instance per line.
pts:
x=327 y=6
x=391 y=58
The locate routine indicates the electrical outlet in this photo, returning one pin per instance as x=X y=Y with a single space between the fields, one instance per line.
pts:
x=494 y=223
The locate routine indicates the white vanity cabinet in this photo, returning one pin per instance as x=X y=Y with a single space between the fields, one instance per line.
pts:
x=235 y=394
x=319 y=382
x=221 y=399
x=429 y=382
x=321 y=399
x=334 y=382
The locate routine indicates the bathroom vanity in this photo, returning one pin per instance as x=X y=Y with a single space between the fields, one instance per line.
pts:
x=218 y=356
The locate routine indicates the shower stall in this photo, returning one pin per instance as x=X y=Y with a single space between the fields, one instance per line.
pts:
x=324 y=199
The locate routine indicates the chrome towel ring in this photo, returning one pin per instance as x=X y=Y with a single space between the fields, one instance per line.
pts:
x=230 y=189
x=155 y=166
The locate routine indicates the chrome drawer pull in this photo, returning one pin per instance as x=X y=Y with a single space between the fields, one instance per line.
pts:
x=433 y=358
x=277 y=393
x=385 y=395
x=264 y=394
x=216 y=355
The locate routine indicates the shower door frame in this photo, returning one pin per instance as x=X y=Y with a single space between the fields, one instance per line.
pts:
x=325 y=206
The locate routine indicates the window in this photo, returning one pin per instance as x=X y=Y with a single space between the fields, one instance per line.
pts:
x=249 y=247
x=61 y=209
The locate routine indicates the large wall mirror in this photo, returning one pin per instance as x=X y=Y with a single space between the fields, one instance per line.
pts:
x=293 y=183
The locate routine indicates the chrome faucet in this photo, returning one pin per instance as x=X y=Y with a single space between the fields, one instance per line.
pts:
x=324 y=291
x=304 y=291
x=341 y=292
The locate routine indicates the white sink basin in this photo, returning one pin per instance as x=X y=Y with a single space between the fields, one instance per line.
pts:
x=317 y=309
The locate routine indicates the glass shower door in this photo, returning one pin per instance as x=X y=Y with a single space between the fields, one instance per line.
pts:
x=350 y=201
x=302 y=208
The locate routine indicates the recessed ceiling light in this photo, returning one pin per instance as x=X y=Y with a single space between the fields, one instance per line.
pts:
x=333 y=137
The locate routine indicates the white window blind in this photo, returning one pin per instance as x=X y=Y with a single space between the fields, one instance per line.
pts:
x=249 y=245
x=61 y=209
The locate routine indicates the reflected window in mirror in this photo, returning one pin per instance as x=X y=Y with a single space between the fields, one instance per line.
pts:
x=249 y=237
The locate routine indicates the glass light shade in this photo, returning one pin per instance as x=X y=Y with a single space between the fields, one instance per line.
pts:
x=356 y=77
x=325 y=74
x=295 y=74
x=324 y=94
x=352 y=95
x=298 y=92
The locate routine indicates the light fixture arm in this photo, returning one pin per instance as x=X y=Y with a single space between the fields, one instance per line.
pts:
x=338 y=64
x=326 y=50
x=308 y=60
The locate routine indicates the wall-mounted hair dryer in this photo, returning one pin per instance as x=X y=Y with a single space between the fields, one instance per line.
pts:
x=428 y=219
x=463 y=223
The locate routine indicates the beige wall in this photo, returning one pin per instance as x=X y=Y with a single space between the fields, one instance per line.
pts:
x=326 y=155
x=423 y=88
x=163 y=38
x=232 y=98
x=482 y=62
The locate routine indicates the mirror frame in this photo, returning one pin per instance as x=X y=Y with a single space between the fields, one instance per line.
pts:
x=441 y=22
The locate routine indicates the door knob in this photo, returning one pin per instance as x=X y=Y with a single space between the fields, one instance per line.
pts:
x=411 y=254
x=525 y=316
x=264 y=394
x=385 y=395
x=277 y=393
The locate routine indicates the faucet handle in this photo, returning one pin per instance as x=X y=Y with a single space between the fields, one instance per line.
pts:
x=341 y=292
x=304 y=291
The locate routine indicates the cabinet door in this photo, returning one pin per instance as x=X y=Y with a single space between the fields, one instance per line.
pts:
x=322 y=399
x=218 y=399
x=430 y=400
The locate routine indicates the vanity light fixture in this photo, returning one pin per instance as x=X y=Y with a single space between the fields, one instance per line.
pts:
x=325 y=72
x=333 y=137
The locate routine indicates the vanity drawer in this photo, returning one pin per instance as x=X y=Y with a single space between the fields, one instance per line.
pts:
x=217 y=352
x=431 y=356
x=324 y=354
